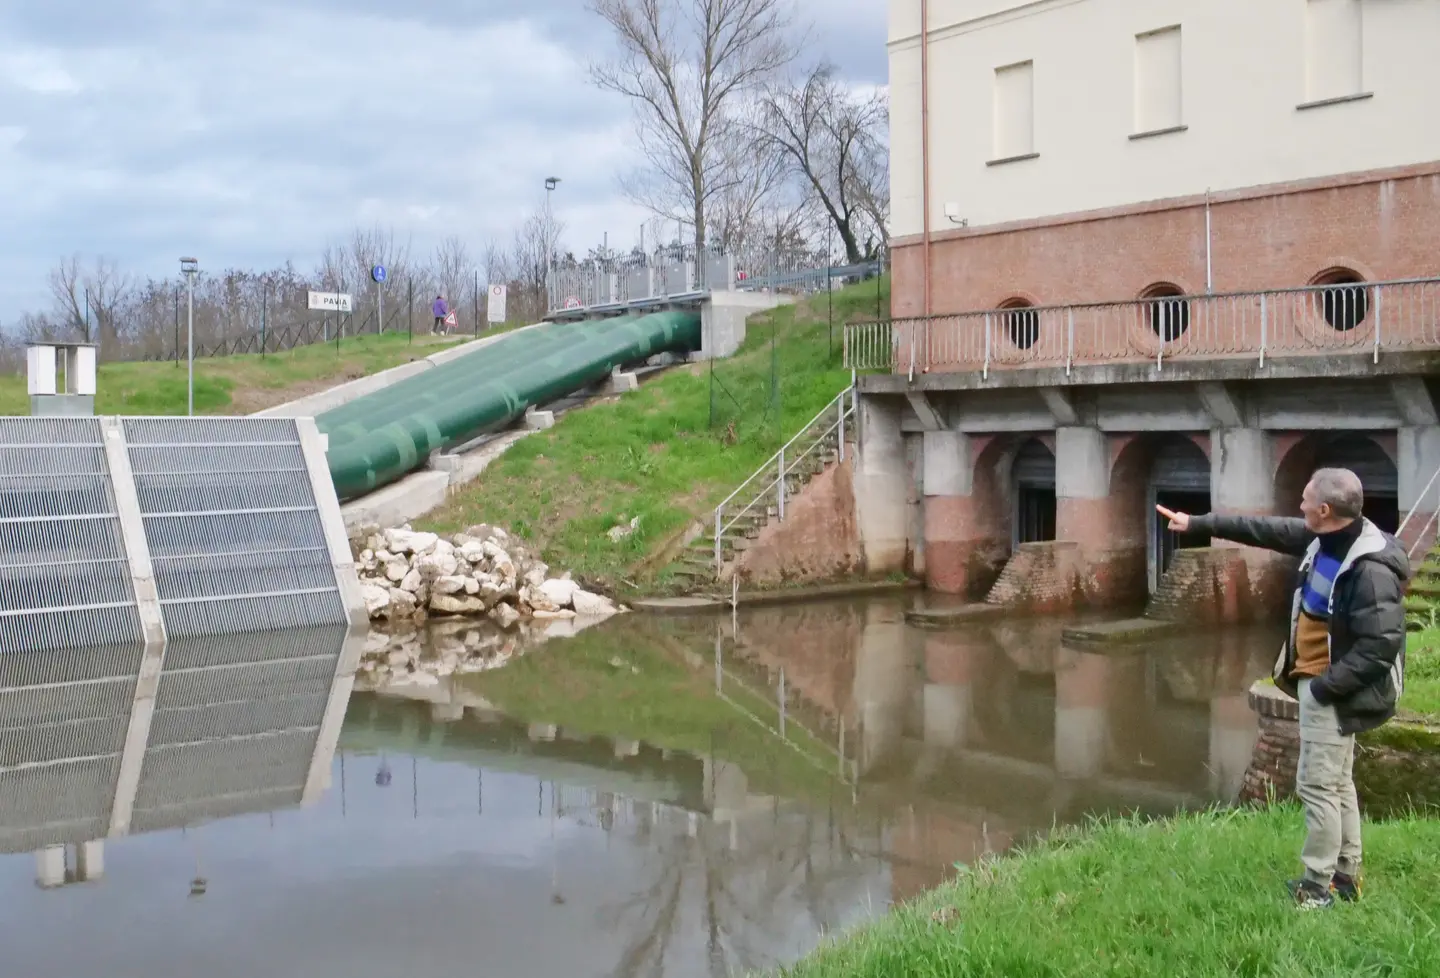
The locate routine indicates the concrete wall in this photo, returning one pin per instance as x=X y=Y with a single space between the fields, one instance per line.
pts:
x=1247 y=72
x=818 y=540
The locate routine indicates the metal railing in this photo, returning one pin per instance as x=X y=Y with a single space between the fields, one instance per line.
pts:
x=780 y=465
x=1340 y=317
x=625 y=282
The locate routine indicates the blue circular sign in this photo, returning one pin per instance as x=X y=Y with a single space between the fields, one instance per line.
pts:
x=378 y=273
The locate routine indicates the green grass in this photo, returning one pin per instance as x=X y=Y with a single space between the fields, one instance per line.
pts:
x=1421 y=698
x=1199 y=895
x=656 y=454
x=239 y=384
x=639 y=682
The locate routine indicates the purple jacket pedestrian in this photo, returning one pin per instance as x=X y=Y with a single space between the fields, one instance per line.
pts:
x=441 y=310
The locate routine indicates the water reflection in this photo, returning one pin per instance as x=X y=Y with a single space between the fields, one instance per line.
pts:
x=677 y=796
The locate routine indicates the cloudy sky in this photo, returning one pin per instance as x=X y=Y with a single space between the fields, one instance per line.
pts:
x=250 y=132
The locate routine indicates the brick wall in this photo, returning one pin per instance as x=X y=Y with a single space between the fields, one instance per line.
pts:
x=1038 y=577
x=1385 y=225
x=964 y=548
x=819 y=539
x=1211 y=585
x=1272 y=765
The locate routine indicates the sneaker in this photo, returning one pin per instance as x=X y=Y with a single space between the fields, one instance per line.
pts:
x=1346 y=887
x=1309 y=895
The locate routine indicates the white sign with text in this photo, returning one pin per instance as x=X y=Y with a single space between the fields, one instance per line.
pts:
x=331 y=301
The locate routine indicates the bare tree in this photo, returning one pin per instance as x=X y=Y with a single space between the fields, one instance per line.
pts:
x=96 y=292
x=835 y=143
x=452 y=268
x=687 y=65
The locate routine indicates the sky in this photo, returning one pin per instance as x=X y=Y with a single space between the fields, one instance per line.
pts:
x=252 y=132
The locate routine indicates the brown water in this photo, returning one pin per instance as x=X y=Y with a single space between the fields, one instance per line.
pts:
x=654 y=796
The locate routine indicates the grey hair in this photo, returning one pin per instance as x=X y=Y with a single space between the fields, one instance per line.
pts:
x=1341 y=489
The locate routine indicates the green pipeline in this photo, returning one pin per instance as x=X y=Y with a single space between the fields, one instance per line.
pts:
x=381 y=437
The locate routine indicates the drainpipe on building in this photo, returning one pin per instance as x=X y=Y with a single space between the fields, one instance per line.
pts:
x=1209 y=277
x=925 y=144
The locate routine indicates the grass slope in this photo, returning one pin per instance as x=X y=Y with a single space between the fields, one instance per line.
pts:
x=1199 y=895
x=1421 y=699
x=655 y=453
x=239 y=384
x=637 y=679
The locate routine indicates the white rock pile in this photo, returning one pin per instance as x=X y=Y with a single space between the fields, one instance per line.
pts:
x=409 y=576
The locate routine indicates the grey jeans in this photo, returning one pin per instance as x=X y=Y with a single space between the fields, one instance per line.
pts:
x=1325 y=782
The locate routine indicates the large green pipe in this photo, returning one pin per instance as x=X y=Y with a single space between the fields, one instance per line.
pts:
x=377 y=439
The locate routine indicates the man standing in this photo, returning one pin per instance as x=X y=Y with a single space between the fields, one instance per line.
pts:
x=1344 y=658
x=441 y=310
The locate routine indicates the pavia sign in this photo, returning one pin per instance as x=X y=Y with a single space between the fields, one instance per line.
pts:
x=331 y=301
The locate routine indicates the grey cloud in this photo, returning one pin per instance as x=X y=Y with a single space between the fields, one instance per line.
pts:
x=257 y=131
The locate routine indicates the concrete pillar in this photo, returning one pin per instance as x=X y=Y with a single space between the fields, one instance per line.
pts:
x=1242 y=482
x=950 y=510
x=881 y=689
x=1110 y=558
x=1233 y=729
x=1417 y=458
x=880 y=485
x=50 y=867
x=1082 y=704
x=90 y=861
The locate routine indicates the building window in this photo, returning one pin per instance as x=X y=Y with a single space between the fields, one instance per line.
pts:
x=1344 y=302
x=1020 y=322
x=1014 y=112
x=1166 y=311
x=1157 y=81
x=1333 y=45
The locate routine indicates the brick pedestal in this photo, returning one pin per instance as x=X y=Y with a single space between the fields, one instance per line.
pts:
x=1271 y=774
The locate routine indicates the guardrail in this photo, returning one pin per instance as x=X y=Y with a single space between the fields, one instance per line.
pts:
x=769 y=482
x=1339 y=317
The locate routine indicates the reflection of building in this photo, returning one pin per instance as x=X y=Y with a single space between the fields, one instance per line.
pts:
x=235 y=724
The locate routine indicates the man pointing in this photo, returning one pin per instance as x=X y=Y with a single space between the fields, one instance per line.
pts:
x=1344 y=658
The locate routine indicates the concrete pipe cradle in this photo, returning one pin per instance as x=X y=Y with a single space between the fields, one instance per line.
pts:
x=381 y=437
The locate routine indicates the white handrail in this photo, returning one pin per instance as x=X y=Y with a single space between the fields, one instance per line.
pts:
x=781 y=467
x=773 y=458
x=1413 y=509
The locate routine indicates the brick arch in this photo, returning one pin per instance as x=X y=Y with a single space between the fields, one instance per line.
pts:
x=1130 y=481
x=1361 y=451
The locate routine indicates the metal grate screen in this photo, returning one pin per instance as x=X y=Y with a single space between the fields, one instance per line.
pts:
x=64 y=575
x=235 y=537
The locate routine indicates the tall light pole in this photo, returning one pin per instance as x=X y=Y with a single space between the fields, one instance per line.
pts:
x=190 y=267
x=550 y=183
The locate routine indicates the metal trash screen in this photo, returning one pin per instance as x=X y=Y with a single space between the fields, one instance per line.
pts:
x=64 y=574
x=235 y=535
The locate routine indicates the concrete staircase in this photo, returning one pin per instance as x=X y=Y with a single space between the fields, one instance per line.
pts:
x=830 y=437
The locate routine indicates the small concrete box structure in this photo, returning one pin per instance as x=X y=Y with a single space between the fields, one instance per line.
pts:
x=61 y=379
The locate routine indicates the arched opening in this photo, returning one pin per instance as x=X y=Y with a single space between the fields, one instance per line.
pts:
x=1352 y=450
x=1033 y=478
x=1167 y=312
x=1179 y=480
x=1345 y=302
x=1021 y=322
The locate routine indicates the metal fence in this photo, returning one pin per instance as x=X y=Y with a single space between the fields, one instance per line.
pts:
x=1342 y=317
x=676 y=274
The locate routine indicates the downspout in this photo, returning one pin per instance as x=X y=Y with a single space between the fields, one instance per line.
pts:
x=925 y=142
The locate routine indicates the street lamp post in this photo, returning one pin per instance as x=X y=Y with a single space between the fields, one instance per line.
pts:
x=550 y=183
x=190 y=267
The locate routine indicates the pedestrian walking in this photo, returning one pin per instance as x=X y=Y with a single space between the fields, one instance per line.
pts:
x=1343 y=658
x=441 y=311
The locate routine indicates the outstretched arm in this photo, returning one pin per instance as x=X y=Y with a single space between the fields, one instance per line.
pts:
x=1283 y=534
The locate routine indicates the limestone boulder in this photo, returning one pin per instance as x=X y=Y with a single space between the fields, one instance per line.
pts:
x=558 y=591
x=412 y=581
x=448 y=585
x=436 y=565
x=404 y=541
x=377 y=599
x=505 y=616
x=395 y=570
x=403 y=605
x=587 y=603
x=456 y=604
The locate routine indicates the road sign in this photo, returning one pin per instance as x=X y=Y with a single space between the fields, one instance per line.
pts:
x=495 y=305
x=331 y=301
x=378 y=273
x=572 y=303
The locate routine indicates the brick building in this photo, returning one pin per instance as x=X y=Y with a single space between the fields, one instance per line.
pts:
x=1148 y=251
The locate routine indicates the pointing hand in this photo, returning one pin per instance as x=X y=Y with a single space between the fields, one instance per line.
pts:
x=1179 y=522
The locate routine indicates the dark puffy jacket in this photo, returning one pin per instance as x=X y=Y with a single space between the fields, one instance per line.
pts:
x=1367 y=614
